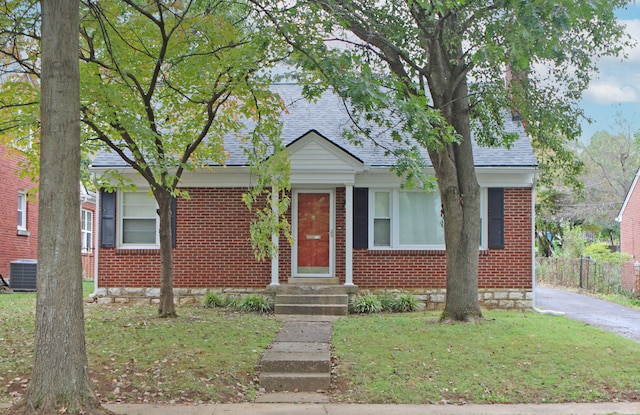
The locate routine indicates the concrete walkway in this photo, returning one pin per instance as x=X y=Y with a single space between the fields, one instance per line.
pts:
x=354 y=409
x=621 y=408
x=299 y=359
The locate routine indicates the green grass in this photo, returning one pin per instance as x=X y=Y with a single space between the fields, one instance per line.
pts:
x=210 y=355
x=625 y=299
x=205 y=355
x=512 y=357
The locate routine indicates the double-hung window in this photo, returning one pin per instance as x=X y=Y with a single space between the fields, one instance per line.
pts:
x=408 y=219
x=22 y=211
x=139 y=220
x=86 y=230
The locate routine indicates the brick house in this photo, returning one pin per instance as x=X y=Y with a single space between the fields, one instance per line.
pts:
x=629 y=219
x=19 y=232
x=352 y=224
x=19 y=222
x=87 y=231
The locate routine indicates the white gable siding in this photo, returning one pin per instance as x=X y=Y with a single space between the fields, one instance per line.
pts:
x=316 y=156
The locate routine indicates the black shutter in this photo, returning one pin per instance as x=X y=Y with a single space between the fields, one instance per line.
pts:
x=107 y=219
x=360 y=218
x=174 y=207
x=496 y=218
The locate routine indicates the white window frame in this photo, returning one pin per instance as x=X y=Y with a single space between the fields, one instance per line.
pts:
x=86 y=230
x=22 y=211
x=120 y=225
x=395 y=222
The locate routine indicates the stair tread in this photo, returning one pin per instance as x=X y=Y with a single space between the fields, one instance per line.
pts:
x=295 y=374
x=297 y=356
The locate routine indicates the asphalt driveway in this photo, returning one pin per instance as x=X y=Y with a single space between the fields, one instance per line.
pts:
x=609 y=316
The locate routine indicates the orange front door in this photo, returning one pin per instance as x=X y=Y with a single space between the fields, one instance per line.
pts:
x=313 y=235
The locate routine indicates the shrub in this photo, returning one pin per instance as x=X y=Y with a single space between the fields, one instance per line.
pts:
x=255 y=303
x=573 y=242
x=231 y=302
x=212 y=300
x=367 y=303
x=405 y=302
x=386 y=301
x=600 y=252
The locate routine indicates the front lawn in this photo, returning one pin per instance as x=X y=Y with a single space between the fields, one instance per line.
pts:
x=513 y=357
x=205 y=355
x=211 y=355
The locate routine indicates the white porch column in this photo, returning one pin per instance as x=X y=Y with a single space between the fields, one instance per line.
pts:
x=275 y=240
x=348 y=208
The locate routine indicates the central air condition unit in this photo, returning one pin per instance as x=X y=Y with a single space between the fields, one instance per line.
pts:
x=22 y=274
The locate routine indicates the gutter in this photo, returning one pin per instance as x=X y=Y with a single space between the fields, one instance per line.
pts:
x=533 y=254
x=96 y=239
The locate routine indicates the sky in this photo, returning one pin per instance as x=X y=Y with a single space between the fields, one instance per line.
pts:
x=616 y=88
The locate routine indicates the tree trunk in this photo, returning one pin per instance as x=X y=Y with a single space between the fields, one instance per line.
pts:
x=166 y=307
x=459 y=190
x=60 y=379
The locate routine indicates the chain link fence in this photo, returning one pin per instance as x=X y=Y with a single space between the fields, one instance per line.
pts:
x=588 y=274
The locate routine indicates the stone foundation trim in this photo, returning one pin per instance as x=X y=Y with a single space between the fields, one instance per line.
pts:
x=182 y=296
x=504 y=299
x=433 y=299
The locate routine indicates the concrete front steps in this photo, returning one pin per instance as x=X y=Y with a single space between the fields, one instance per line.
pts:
x=318 y=300
x=299 y=360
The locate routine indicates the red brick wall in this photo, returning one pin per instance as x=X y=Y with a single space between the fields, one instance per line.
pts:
x=88 y=258
x=12 y=245
x=212 y=248
x=629 y=278
x=213 y=251
x=630 y=225
x=510 y=267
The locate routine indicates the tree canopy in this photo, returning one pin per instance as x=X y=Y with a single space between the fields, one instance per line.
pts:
x=609 y=162
x=440 y=67
x=162 y=83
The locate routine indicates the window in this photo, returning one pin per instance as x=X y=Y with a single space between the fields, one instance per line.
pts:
x=139 y=219
x=408 y=219
x=382 y=219
x=22 y=211
x=87 y=228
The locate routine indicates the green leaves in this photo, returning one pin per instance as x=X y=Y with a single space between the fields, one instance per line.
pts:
x=166 y=82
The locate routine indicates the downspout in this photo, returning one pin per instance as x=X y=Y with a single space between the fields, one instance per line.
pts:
x=96 y=238
x=533 y=253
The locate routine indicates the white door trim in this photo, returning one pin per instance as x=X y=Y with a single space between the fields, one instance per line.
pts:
x=294 y=231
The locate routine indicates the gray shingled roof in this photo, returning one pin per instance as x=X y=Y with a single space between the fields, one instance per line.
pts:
x=328 y=117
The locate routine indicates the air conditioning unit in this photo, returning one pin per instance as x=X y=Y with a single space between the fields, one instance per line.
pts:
x=22 y=274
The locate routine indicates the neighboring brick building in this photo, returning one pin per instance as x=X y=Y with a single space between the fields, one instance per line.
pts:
x=352 y=223
x=88 y=231
x=629 y=218
x=19 y=230
x=19 y=220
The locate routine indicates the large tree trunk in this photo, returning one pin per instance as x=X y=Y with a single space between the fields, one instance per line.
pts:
x=60 y=379
x=167 y=306
x=459 y=190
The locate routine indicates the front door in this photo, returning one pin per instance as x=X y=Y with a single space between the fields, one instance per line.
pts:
x=313 y=234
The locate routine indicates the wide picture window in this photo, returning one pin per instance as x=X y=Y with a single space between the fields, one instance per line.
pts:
x=406 y=220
